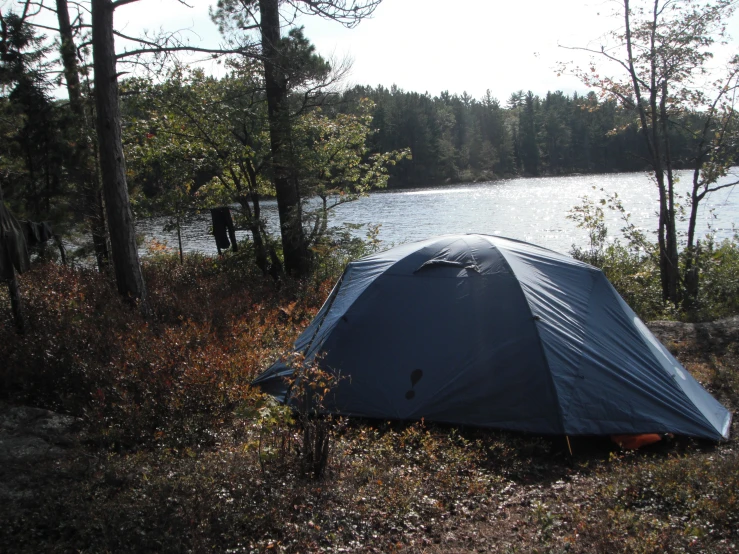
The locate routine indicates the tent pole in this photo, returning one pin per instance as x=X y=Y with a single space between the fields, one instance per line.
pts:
x=569 y=446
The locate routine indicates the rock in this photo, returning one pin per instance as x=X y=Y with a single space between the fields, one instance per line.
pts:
x=31 y=433
x=714 y=335
x=24 y=448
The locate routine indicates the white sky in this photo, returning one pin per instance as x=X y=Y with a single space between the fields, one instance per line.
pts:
x=430 y=45
x=465 y=45
x=433 y=45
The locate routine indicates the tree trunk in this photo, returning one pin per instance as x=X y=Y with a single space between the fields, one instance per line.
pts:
x=652 y=124
x=667 y=240
x=128 y=275
x=673 y=269
x=16 y=303
x=252 y=221
x=691 y=277
x=84 y=167
x=60 y=246
x=673 y=263
x=179 y=240
x=288 y=197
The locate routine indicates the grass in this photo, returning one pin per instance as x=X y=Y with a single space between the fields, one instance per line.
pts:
x=180 y=454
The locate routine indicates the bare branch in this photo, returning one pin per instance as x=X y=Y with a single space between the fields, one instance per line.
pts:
x=134 y=39
x=39 y=26
x=42 y=6
x=26 y=5
x=601 y=52
x=119 y=3
x=719 y=187
x=80 y=6
x=171 y=49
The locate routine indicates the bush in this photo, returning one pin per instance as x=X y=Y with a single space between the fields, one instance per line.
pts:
x=175 y=379
x=718 y=292
x=632 y=267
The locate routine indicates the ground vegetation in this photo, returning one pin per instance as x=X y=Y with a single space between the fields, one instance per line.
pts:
x=171 y=450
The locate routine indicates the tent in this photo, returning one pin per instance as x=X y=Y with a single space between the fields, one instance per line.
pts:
x=493 y=332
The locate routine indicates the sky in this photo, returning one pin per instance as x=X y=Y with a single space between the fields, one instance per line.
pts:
x=429 y=45
x=433 y=45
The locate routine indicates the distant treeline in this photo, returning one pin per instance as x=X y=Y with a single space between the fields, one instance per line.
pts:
x=458 y=138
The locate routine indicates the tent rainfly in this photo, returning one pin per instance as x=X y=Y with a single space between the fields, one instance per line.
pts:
x=493 y=332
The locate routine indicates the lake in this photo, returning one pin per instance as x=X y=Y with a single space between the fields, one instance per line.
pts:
x=530 y=209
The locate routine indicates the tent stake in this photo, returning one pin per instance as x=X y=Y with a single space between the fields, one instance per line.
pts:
x=569 y=446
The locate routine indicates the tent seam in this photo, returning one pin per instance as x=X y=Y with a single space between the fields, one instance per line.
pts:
x=337 y=287
x=539 y=341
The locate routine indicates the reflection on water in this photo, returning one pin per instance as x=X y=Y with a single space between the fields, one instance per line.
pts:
x=534 y=210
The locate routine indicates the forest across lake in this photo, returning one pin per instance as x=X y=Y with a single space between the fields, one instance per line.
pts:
x=530 y=209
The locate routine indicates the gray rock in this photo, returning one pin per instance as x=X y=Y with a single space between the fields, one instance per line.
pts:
x=25 y=448
x=715 y=335
x=32 y=433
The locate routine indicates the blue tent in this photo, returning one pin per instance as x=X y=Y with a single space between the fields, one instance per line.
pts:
x=493 y=332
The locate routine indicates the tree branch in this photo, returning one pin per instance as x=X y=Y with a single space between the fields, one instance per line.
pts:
x=133 y=39
x=119 y=3
x=719 y=187
x=170 y=49
x=39 y=26
x=346 y=12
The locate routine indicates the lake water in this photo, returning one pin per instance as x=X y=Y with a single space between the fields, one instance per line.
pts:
x=531 y=209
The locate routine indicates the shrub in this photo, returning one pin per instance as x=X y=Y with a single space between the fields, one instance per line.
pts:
x=633 y=270
x=718 y=292
x=175 y=379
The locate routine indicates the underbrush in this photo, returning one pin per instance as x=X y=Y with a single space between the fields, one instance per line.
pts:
x=632 y=267
x=390 y=488
x=170 y=380
x=669 y=502
x=180 y=454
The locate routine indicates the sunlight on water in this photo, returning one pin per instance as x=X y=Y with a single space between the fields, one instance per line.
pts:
x=534 y=210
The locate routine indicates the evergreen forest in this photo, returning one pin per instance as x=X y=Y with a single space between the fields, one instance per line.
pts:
x=456 y=138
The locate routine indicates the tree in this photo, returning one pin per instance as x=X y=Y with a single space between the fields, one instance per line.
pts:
x=662 y=54
x=84 y=162
x=204 y=142
x=168 y=170
x=33 y=138
x=264 y=16
x=13 y=259
x=528 y=132
x=126 y=265
x=716 y=152
x=20 y=69
x=334 y=162
x=556 y=132
x=210 y=136
x=496 y=134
